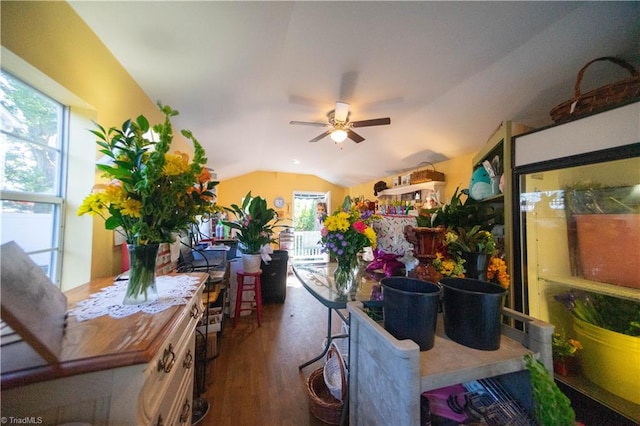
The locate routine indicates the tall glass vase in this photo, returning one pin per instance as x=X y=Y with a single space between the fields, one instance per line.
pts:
x=346 y=274
x=142 y=274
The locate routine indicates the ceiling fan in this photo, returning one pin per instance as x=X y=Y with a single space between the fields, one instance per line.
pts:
x=339 y=125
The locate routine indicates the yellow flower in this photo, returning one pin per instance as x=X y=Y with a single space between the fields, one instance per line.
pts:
x=114 y=194
x=92 y=205
x=338 y=222
x=371 y=235
x=131 y=207
x=176 y=163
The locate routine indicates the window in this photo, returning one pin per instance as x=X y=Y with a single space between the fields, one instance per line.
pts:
x=32 y=171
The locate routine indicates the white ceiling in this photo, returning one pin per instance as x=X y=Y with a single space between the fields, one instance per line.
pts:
x=447 y=73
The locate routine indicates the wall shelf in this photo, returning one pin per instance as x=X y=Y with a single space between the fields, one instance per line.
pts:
x=435 y=186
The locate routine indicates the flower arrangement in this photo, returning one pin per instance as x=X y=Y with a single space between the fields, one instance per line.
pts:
x=344 y=234
x=254 y=222
x=563 y=347
x=497 y=272
x=347 y=232
x=608 y=312
x=152 y=193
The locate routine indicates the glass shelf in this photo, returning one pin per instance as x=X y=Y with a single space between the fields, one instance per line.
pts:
x=594 y=286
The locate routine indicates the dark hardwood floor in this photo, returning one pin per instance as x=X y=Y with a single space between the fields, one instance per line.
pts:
x=256 y=377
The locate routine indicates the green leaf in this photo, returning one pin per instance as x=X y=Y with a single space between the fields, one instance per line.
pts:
x=143 y=123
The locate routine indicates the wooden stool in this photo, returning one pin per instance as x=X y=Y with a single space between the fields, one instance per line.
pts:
x=255 y=286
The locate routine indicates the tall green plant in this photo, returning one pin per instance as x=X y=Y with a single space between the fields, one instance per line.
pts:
x=255 y=223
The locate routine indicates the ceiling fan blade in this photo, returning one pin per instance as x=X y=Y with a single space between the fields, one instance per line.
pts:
x=317 y=138
x=341 y=112
x=372 y=122
x=308 y=123
x=354 y=136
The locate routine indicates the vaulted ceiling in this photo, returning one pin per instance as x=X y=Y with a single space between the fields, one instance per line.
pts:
x=446 y=73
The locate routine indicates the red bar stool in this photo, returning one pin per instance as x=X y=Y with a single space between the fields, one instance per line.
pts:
x=248 y=281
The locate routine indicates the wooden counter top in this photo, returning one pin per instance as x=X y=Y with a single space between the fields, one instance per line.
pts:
x=95 y=344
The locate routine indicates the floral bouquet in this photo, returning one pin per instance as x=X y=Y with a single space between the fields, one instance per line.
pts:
x=344 y=234
x=151 y=195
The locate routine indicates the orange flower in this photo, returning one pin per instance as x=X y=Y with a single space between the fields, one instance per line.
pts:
x=205 y=176
x=497 y=272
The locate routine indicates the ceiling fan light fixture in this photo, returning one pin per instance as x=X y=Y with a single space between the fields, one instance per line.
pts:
x=339 y=135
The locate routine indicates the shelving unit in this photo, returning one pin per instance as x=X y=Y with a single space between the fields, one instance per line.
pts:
x=408 y=189
x=387 y=376
x=499 y=143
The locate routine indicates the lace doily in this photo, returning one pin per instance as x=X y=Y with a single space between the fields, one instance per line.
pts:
x=172 y=290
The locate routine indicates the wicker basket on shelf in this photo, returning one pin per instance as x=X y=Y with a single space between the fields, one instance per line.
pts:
x=602 y=98
x=321 y=403
x=426 y=175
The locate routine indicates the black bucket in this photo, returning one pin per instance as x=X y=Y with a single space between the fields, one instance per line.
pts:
x=410 y=309
x=472 y=310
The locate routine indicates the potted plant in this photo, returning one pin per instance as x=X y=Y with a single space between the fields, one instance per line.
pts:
x=609 y=329
x=475 y=246
x=255 y=225
x=457 y=231
x=460 y=211
x=151 y=195
x=564 y=351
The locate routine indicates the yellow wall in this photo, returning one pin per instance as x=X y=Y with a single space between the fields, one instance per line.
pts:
x=270 y=185
x=457 y=172
x=53 y=39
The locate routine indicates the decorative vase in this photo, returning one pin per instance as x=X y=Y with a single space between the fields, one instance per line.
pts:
x=346 y=273
x=425 y=240
x=476 y=265
x=251 y=263
x=142 y=274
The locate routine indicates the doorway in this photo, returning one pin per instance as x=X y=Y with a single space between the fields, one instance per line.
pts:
x=307 y=226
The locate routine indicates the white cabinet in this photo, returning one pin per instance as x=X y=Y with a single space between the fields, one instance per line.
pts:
x=136 y=370
x=387 y=376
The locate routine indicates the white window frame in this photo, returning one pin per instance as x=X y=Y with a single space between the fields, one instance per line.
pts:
x=76 y=232
x=57 y=198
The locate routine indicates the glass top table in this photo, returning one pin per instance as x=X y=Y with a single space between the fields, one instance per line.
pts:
x=317 y=278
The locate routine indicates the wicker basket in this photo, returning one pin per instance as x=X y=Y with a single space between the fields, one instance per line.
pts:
x=600 y=99
x=427 y=175
x=322 y=404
